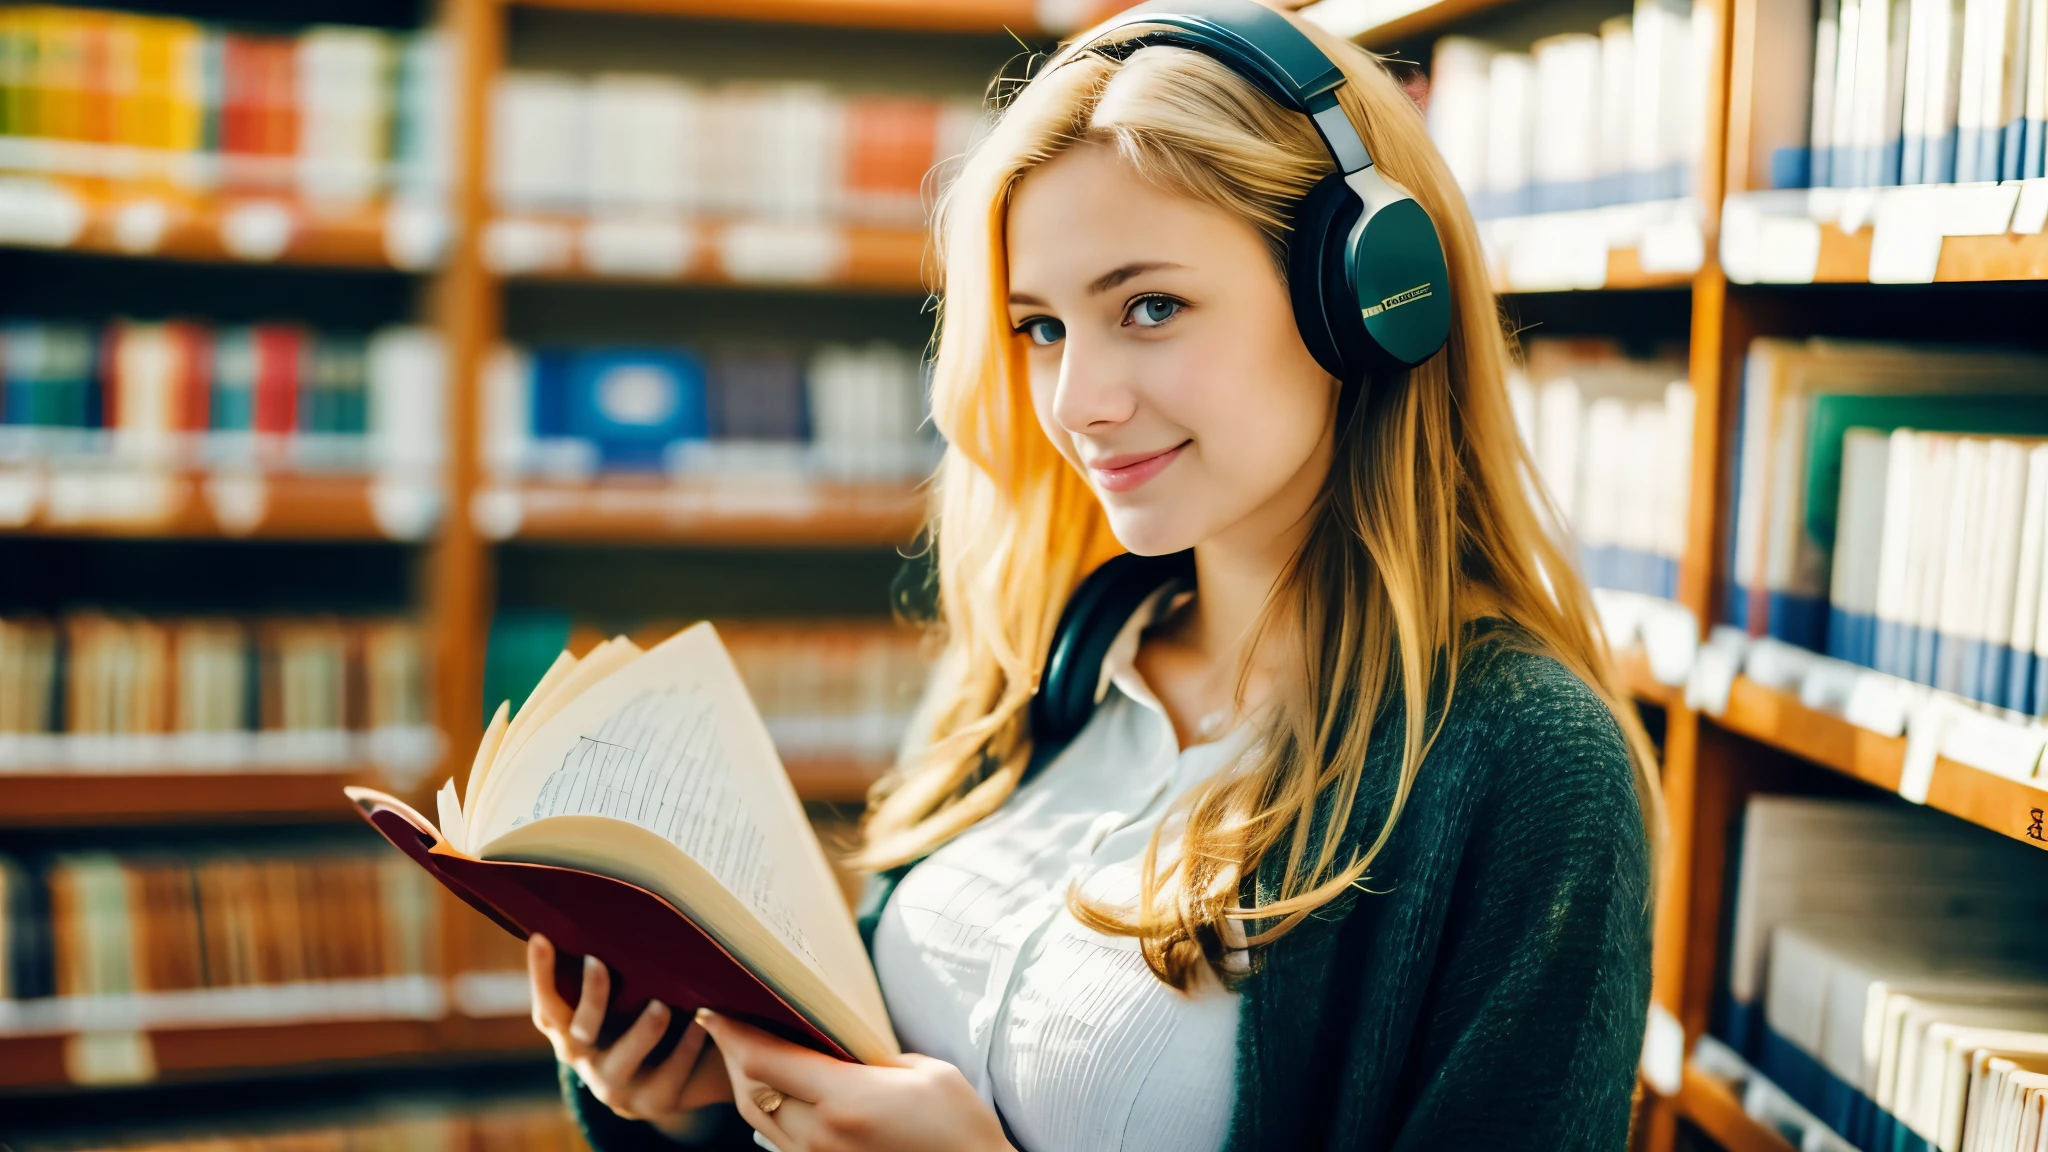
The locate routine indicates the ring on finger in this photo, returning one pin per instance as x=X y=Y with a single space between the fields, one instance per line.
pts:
x=767 y=1100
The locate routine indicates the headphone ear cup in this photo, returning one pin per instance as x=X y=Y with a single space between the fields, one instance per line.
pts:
x=1325 y=308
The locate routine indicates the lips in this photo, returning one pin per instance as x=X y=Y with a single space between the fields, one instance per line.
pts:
x=1131 y=470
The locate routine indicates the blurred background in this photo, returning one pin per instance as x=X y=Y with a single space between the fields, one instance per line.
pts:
x=357 y=356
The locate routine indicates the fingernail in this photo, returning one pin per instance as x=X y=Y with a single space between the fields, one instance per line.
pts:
x=541 y=940
x=703 y=1015
x=590 y=964
x=656 y=1008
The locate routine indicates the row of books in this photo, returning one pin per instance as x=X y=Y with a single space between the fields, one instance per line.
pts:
x=524 y=1123
x=846 y=412
x=178 y=393
x=1928 y=580
x=93 y=690
x=1868 y=93
x=631 y=143
x=1612 y=440
x=1883 y=973
x=334 y=114
x=1579 y=120
x=164 y=937
x=826 y=688
x=1938 y=572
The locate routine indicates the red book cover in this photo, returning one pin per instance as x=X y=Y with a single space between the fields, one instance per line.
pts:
x=240 y=58
x=280 y=363
x=652 y=950
x=194 y=344
x=281 y=98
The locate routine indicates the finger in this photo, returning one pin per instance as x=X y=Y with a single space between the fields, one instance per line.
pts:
x=798 y=1124
x=550 y=1011
x=621 y=1062
x=755 y=1101
x=597 y=990
x=661 y=1092
x=789 y=1068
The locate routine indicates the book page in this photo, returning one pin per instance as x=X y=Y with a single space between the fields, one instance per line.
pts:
x=657 y=762
x=672 y=743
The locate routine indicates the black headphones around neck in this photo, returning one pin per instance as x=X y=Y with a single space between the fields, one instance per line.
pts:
x=1365 y=270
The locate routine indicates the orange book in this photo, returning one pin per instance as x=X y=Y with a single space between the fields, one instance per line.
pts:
x=890 y=145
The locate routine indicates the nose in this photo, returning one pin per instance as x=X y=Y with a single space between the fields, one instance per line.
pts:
x=1095 y=390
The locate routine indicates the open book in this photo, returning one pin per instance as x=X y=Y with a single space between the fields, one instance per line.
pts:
x=635 y=810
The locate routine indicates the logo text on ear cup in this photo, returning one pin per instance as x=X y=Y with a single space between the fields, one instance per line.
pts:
x=1397 y=299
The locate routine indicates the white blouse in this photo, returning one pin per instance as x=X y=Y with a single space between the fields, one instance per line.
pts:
x=1064 y=1030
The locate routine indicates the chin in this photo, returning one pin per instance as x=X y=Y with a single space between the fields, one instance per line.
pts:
x=1155 y=531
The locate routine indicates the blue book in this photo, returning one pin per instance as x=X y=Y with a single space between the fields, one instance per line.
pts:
x=632 y=404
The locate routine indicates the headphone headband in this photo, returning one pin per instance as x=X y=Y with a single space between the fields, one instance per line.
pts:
x=1260 y=45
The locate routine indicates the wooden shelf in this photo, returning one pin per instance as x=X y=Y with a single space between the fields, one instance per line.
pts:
x=39 y=1062
x=908 y=15
x=829 y=515
x=1710 y=1105
x=742 y=254
x=231 y=229
x=82 y=798
x=1634 y=669
x=1845 y=257
x=2009 y=807
x=1387 y=23
x=191 y=505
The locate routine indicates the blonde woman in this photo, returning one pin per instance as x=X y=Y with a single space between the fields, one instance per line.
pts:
x=1355 y=849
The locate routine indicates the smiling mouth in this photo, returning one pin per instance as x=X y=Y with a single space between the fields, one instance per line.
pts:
x=1125 y=473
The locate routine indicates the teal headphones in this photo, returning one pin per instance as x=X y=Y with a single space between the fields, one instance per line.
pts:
x=1365 y=270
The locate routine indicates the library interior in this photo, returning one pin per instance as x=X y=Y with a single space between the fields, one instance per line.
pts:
x=621 y=314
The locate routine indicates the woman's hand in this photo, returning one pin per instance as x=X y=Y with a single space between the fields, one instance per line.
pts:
x=803 y=1101
x=665 y=1095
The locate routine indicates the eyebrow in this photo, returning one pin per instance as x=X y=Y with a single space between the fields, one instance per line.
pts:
x=1106 y=281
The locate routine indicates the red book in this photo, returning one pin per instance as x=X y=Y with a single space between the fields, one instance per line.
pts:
x=280 y=363
x=635 y=811
x=241 y=89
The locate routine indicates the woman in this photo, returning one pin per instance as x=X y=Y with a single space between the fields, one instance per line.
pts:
x=1355 y=849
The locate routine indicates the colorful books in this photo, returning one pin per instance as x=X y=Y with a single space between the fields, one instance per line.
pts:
x=99 y=691
x=177 y=395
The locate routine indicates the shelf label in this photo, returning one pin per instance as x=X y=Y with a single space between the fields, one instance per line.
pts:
x=140 y=225
x=1663 y=1060
x=1905 y=246
x=791 y=252
x=405 y=508
x=513 y=246
x=660 y=249
x=109 y=1058
x=1924 y=735
x=257 y=230
x=2030 y=213
x=416 y=233
x=1880 y=703
x=497 y=512
x=39 y=213
x=1993 y=744
x=21 y=494
x=1714 y=671
x=239 y=501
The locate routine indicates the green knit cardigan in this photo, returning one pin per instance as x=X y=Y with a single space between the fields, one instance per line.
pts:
x=1488 y=985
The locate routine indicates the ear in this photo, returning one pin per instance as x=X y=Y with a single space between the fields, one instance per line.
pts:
x=1323 y=312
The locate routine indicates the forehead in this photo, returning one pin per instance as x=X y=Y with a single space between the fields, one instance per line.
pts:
x=1087 y=210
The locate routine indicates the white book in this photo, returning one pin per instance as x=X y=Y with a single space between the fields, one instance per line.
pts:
x=1820 y=134
x=538 y=134
x=344 y=79
x=1918 y=66
x=408 y=414
x=1458 y=78
x=1945 y=81
x=1887 y=125
x=643 y=144
x=1891 y=641
x=1859 y=539
x=2034 y=123
x=1998 y=581
x=1927 y=556
x=1564 y=156
x=1558 y=424
x=1674 y=513
x=1663 y=64
x=1510 y=124
x=2022 y=661
x=1845 y=166
x=1959 y=605
x=1617 y=86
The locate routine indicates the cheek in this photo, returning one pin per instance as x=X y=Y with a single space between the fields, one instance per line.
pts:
x=1256 y=410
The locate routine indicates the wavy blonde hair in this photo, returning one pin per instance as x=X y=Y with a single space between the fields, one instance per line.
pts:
x=1427 y=519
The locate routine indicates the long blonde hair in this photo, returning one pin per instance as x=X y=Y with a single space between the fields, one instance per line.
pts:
x=1427 y=519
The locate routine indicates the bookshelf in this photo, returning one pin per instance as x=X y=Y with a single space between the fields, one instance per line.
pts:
x=181 y=505
x=58 y=799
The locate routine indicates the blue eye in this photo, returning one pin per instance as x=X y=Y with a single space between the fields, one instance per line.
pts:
x=1152 y=311
x=1043 y=330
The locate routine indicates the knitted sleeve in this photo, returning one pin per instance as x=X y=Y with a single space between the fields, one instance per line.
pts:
x=1533 y=1021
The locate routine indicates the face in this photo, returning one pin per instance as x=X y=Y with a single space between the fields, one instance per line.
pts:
x=1165 y=363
